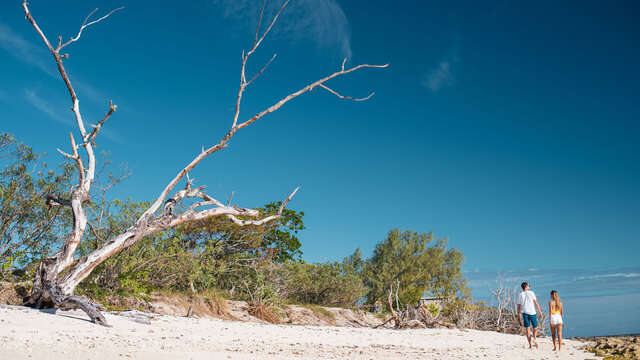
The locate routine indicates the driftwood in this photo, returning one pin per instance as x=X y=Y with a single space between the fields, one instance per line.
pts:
x=410 y=317
x=58 y=275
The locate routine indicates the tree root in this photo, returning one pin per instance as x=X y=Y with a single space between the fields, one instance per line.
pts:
x=53 y=298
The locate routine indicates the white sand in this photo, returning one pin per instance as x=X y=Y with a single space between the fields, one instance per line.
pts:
x=31 y=334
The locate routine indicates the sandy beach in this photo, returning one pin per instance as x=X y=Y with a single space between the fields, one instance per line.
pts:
x=29 y=334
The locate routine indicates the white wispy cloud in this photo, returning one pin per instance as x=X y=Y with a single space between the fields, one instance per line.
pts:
x=442 y=75
x=35 y=54
x=53 y=113
x=45 y=107
x=24 y=50
x=321 y=21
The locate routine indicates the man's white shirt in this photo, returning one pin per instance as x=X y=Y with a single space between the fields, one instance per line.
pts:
x=525 y=300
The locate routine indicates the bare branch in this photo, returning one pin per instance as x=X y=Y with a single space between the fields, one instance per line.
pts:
x=268 y=218
x=273 y=21
x=305 y=89
x=264 y=4
x=230 y=198
x=66 y=154
x=75 y=157
x=85 y=25
x=261 y=70
x=96 y=128
x=234 y=127
x=35 y=26
x=65 y=256
x=345 y=97
x=245 y=57
x=286 y=201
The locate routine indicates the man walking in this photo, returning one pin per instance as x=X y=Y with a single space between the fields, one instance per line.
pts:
x=527 y=305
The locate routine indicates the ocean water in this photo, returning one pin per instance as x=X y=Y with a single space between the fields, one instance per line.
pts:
x=596 y=302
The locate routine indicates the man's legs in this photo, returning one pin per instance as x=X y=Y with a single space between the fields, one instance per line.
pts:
x=534 y=323
x=527 y=324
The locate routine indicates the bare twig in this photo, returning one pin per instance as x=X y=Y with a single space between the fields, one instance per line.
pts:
x=261 y=70
x=305 y=89
x=96 y=128
x=264 y=4
x=85 y=25
x=75 y=157
x=345 y=97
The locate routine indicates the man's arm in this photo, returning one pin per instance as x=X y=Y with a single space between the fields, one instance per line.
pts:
x=538 y=307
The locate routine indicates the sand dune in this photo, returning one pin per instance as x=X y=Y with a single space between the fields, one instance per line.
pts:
x=31 y=334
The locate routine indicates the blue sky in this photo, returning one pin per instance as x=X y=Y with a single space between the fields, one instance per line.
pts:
x=510 y=128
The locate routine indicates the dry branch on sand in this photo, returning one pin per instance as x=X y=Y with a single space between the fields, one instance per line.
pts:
x=411 y=316
x=58 y=275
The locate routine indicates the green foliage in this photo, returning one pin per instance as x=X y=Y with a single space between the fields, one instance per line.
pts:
x=205 y=255
x=418 y=262
x=276 y=240
x=433 y=309
x=334 y=284
x=281 y=235
x=29 y=228
x=356 y=261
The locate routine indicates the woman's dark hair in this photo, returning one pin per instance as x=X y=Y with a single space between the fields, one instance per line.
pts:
x=524 y=285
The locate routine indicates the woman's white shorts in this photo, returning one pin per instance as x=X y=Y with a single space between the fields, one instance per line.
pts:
x=556 y=319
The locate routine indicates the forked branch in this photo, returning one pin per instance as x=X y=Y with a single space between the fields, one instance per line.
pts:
x=310 y=87
x=243 y=84
x=75 y=157
x=83 y=26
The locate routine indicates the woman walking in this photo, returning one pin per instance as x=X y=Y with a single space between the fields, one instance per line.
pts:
x=556 y=311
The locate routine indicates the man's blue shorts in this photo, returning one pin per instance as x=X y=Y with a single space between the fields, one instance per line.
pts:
x=529 y=320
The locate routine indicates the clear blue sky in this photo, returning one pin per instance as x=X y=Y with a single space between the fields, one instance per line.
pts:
x=510 y=128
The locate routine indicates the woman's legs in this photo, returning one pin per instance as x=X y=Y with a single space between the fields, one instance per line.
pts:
x=559 y=330
x=553 y=336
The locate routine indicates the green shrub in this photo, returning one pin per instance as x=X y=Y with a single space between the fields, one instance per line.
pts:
x=333 y=284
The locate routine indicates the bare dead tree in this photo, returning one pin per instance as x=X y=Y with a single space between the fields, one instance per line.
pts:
x=503 y=298
x=58 y=275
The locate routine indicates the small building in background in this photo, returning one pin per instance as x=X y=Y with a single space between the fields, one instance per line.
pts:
x=427 y=300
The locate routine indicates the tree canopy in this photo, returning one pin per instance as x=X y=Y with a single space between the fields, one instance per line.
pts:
x=419 y=262
x=28 y=227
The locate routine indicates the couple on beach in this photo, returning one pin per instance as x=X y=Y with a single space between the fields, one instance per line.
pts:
x=527 y=304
